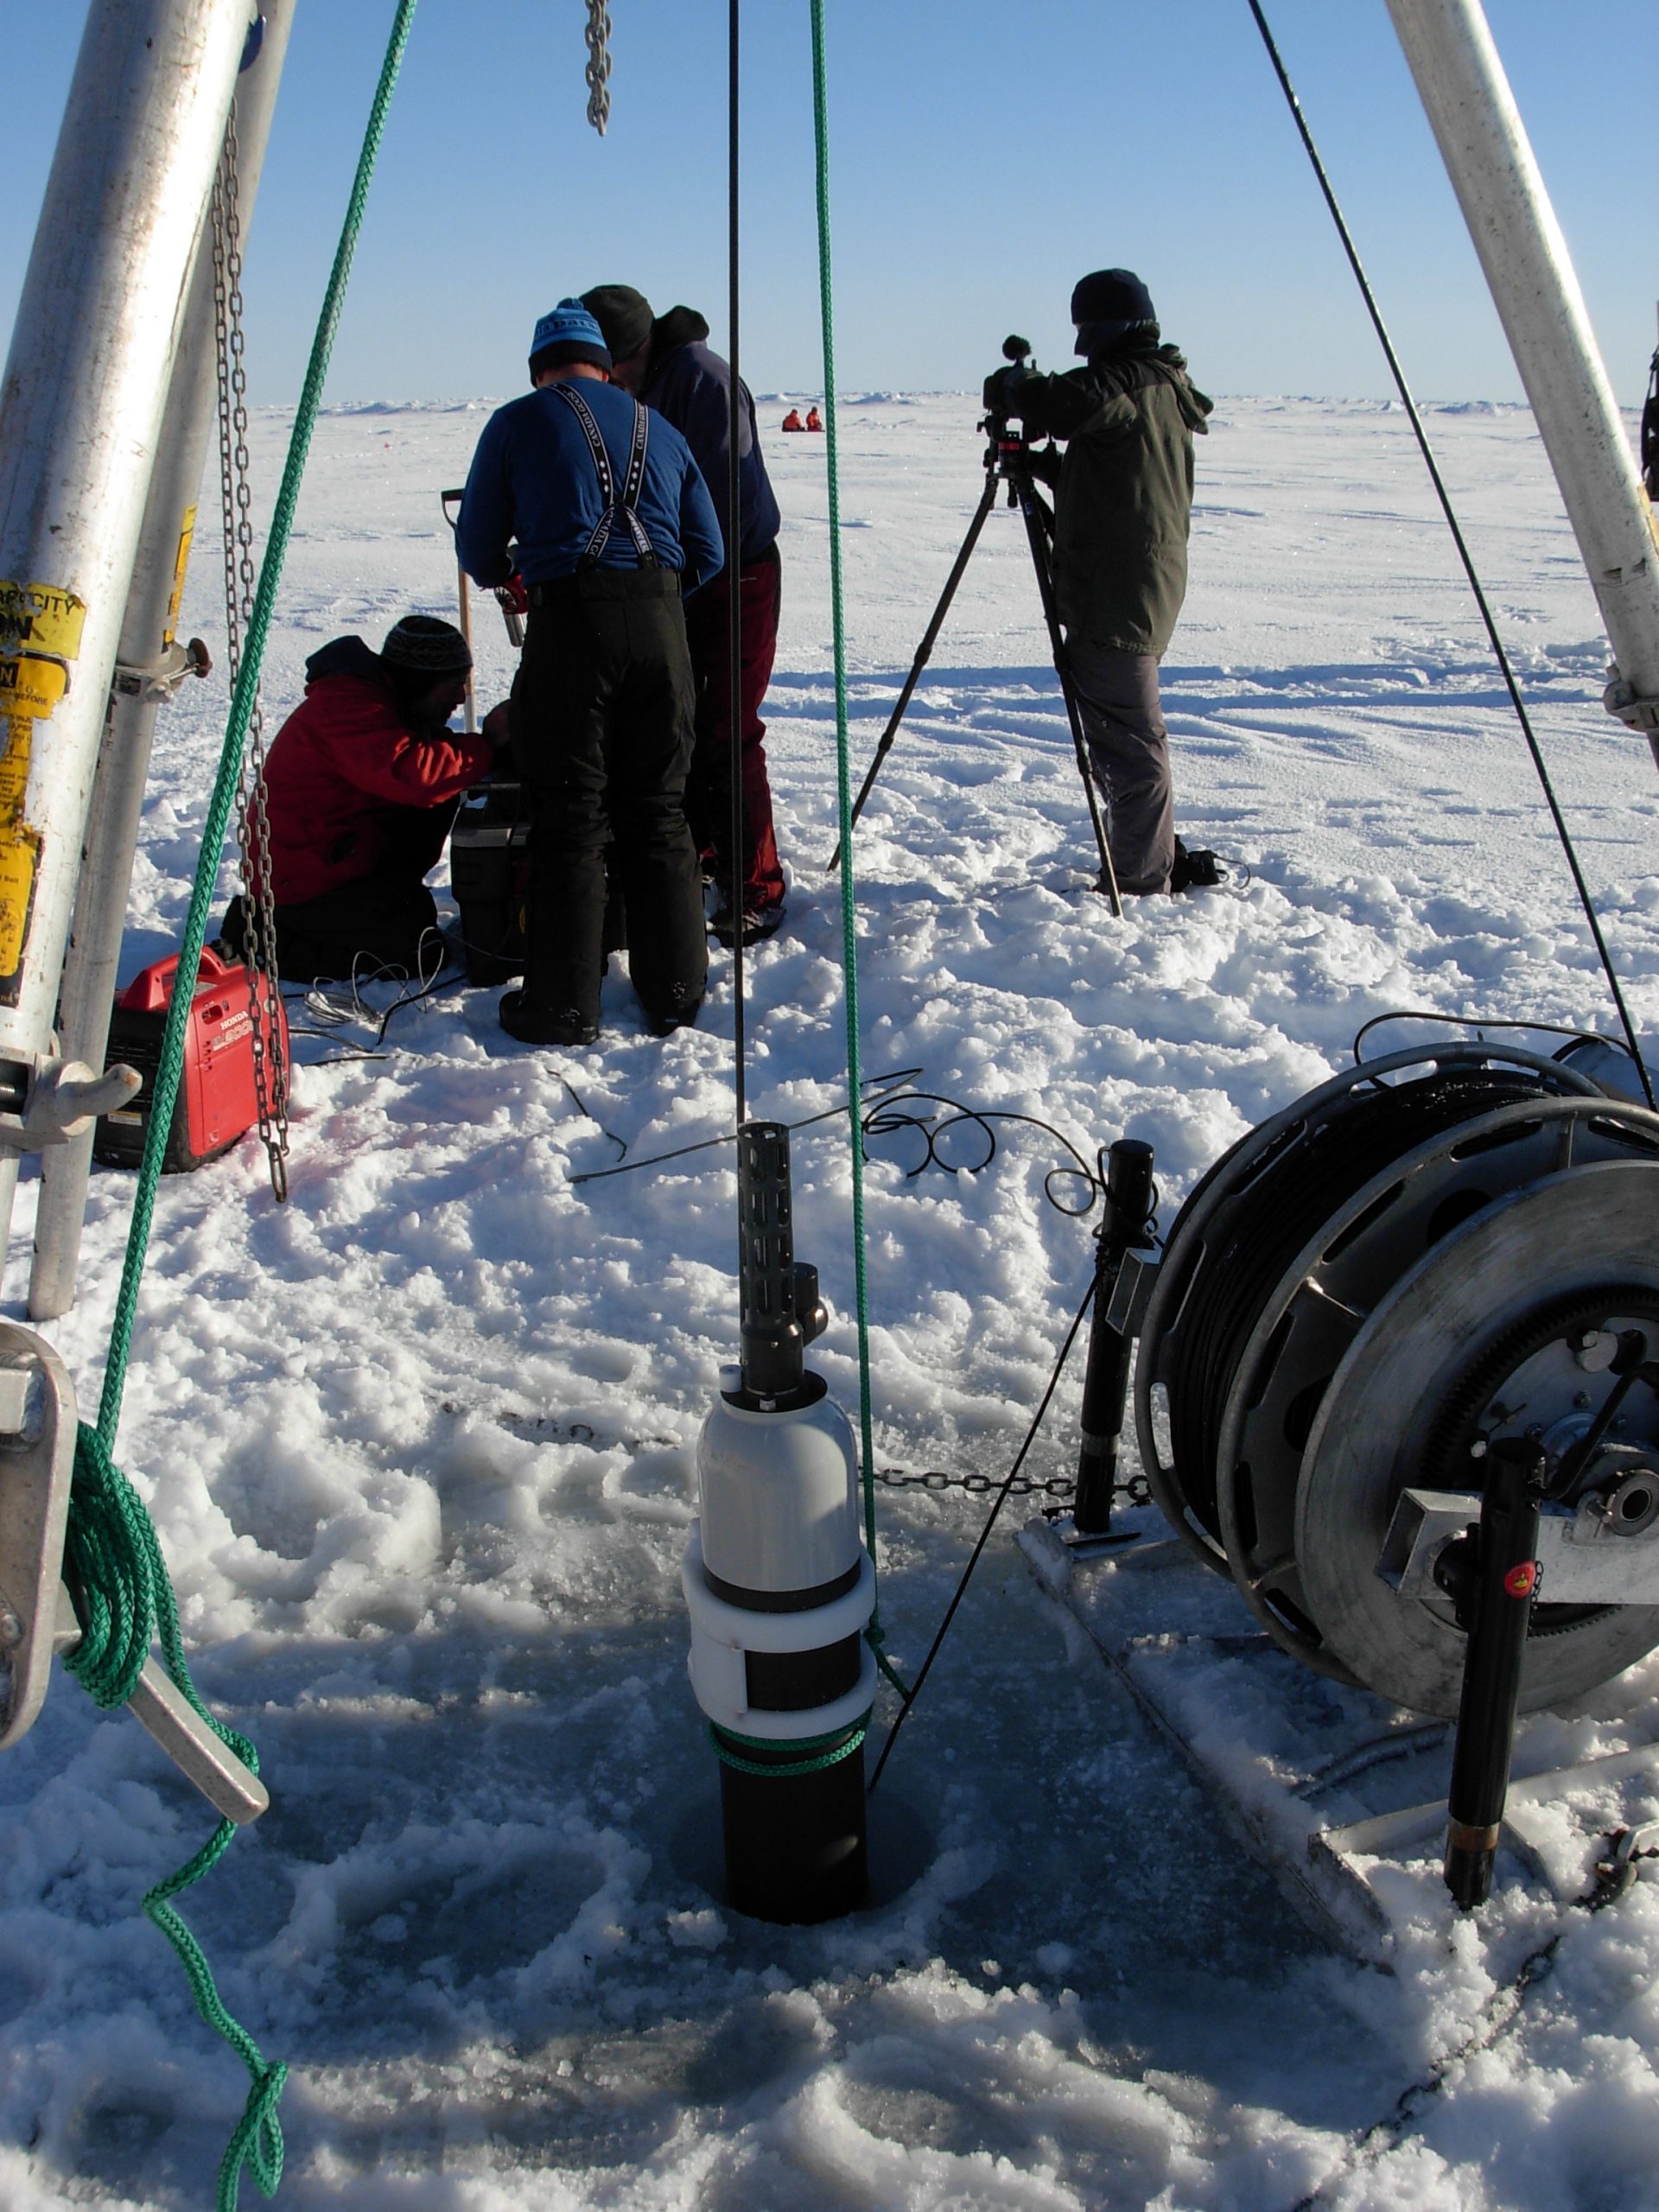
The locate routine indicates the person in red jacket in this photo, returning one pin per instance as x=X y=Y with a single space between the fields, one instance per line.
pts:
x=814 y=420
x=362 y=783
x=792 y=420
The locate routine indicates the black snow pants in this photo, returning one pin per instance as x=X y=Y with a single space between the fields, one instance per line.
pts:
x=602 y=719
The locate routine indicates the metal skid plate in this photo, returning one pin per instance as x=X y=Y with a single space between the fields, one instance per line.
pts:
x=1580 y=1232
x=1263 y=1148
x=37 y=1454
x=1325 y=1299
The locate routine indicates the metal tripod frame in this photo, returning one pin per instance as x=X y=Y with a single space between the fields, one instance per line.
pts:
x=1007 y=461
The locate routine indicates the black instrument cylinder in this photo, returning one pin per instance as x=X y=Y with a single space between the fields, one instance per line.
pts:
x=1499 y=1605
x=1106 y=1380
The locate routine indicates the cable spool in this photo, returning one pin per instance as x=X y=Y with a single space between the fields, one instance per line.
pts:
x=1351 y=1236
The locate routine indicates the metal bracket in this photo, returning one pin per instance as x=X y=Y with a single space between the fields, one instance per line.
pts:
x=64 y=1098
x=160 y=679
x=1132 y=1290
x=1620 y=700
x=37 y=1618
x=1582 y=1558
x=37 y=1455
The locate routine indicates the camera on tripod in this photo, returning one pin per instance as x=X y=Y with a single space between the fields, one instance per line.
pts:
x=1010 y=453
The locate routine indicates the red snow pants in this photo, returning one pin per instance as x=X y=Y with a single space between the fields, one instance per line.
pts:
x=709 y=792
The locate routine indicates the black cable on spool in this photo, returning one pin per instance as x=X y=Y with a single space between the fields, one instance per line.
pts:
x=1259 y=1231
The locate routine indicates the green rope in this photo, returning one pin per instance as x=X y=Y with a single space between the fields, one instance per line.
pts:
x=230 y=766
x=780 y=1770
x=874 y=1633
x=124 y=1597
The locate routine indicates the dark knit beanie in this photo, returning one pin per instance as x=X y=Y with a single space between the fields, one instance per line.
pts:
x=623 y=317
x=426 y=646
x=1109 y=302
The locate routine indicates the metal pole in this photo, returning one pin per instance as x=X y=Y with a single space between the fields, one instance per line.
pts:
x=1467 y=96
x=80 y=411
x=93 y=963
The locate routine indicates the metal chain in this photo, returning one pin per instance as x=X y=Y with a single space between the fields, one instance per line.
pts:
x=599 y=65
x=252 y=819
x=1137 y=1491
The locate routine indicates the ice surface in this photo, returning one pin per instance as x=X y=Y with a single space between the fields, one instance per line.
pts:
x=418 y=1444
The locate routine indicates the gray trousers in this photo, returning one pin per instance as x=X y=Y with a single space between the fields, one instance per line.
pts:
x=1129 y=751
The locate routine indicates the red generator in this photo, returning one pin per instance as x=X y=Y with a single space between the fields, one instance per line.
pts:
x=217 y=1102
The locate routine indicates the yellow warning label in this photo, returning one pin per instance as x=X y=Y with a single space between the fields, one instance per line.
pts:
x=31 y=684
x=20 y=852
x=186 y=532
x=42 y=616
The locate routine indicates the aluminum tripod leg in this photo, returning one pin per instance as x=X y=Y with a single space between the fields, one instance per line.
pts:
x=93 y=958
x=922 y=652
x=1039 y=525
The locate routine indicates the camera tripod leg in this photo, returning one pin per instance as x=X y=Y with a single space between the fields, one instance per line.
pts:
x=1039 y=526
x=922 y=652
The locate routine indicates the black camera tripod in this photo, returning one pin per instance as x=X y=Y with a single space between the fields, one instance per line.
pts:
x=1008 y=460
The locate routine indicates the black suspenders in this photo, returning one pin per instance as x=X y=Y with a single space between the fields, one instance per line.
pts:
x=624 y=507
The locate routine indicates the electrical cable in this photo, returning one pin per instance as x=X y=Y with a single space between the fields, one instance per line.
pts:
x=734 y=583
x=911 y=1696
x=880 y=1117
x=1458 y=539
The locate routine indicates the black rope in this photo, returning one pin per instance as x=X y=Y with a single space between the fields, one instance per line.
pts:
x=734 y=587
x=1003 y=1497
x=1464 y=555
x=1480 y=1023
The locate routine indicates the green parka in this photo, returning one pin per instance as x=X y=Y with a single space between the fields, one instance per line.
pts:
x=1124 y=502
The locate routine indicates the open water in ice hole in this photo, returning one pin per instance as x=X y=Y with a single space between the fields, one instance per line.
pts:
x=432 y=1871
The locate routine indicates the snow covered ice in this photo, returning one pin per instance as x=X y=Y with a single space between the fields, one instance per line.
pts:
x=418 y=1444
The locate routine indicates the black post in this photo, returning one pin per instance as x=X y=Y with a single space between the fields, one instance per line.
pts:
x=987 y=500
x=1496 y=1606
x=1129 y=1210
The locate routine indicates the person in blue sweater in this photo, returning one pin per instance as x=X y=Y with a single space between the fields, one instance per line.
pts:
x=599 y=507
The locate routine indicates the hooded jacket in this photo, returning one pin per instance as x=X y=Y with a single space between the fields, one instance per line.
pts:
x=342 y=762
x=690 y=385
x=1124 y=504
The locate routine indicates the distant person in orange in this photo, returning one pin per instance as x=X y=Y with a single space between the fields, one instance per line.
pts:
x=813 y=420
x=792 y=420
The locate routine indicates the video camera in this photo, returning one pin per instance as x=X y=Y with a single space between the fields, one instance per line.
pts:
x=1009 y=452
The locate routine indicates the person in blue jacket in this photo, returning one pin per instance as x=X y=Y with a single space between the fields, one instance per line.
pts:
x=599 y=505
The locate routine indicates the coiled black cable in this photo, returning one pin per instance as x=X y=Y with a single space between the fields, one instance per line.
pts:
x=1314 y=1170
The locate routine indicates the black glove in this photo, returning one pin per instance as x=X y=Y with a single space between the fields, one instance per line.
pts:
x=1046 y=462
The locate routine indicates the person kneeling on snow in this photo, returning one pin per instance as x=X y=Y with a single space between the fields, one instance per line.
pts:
x=1123 y=511
x=362 y=783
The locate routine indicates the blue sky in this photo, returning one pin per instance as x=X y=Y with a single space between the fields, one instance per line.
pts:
x=982 y=157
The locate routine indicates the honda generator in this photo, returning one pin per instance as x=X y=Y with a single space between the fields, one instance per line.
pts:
x=217 y=1101
x=489 y=873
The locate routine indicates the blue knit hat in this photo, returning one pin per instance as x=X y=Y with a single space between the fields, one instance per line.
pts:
x=569 y=333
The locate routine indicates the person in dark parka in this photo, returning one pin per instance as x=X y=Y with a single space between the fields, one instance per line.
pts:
x=667 y=361
x=599 y=507
x=1122 y=512
x=362 y=782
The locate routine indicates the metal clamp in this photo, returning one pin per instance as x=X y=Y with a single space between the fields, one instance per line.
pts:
x=1620 y=699
x=160 y=679
x=1582 y=1559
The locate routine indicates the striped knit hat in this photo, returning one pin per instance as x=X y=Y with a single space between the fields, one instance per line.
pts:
x=430 y=647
